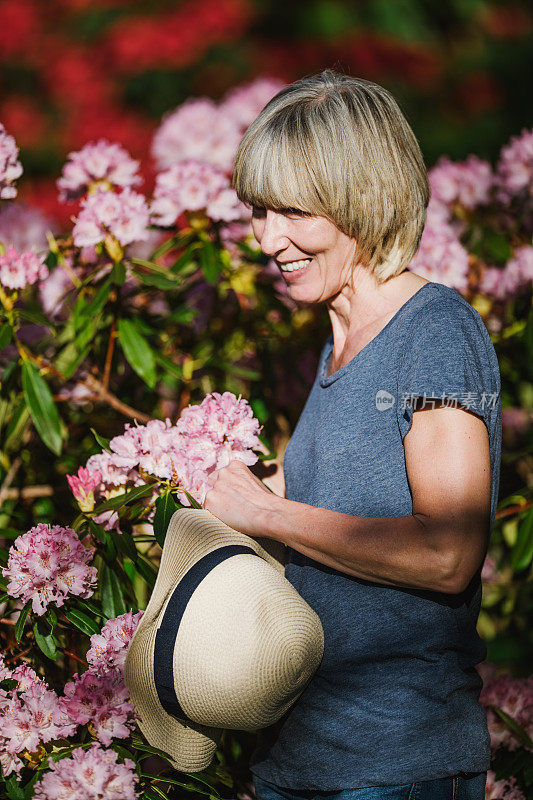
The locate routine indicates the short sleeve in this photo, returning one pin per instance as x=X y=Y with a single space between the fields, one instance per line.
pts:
x=447 y=354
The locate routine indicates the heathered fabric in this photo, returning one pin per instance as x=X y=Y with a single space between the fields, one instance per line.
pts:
x=396 y=696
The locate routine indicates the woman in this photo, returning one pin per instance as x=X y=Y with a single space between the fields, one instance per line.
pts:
x=392 y=471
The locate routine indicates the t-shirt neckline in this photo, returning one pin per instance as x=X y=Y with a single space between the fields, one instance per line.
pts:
x=326 y=380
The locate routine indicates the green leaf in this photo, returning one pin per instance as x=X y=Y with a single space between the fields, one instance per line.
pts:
x=102 y=441
x=137 y=351
x=95 y=305
x=6 y=332
x=165 y=507
x=70 y=357
x=51 y=617
x=46 y=641
x=91 y=607
x=124 y=544
x=118 y=273
x=171 y=368
x=210 y=262
x=82 y=621
x=513 y=726
x=42 y=408
x=13 y=788
x=179 y=240
x=522 y=553
x=111 y=593
x=17 y=426
x=160 y=281
x=37 y=318
x=139 y=744
x=146 y=571
x=127 y=497
x=19 y=627
x=528 y=334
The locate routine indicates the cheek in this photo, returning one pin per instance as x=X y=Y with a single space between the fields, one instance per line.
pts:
x=258 y=227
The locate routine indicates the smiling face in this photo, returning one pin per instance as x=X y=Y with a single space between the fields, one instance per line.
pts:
x=321 y=255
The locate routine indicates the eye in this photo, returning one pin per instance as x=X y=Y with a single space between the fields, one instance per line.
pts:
x=295 y=212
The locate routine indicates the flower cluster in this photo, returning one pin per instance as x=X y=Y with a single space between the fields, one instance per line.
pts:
x=17 y=270
x=244 y=102
x=441 y=257
x=192 y=186
x=83 y=485
x=108 y=648
x=24 y=227
x=97 y=163
x=89 y=774
x=99 y=696
x=202 y=130
x=514 y=172
x=512 y=695
x=518 y=272
x=125 y=216
x=47 y=564
x=10 y=166
x=29 y=715
x=101 y=699
x=198 y=129
x=503 y=789
x=206 y=437
x=468 y=182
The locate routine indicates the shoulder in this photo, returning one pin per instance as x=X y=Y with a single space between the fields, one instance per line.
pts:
x=447 y=334
x=447 y=320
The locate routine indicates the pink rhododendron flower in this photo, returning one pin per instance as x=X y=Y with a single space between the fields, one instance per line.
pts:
x=101 y=698
x=502 y=790
x=24 y=227
x=98 y=162
x=244 y=102
x=205 y=437
x=10 y=166
x=83 y=485
x=467 y=182
x=47 y=564
x=29 y=715
x=124 y=215
x=94 y=773
x=441 y=257
x=514 y=171
x=17 y=270
x=190 y=186
x=108 y=648
x=517 y=274
x=198 y=129
x=514 y=696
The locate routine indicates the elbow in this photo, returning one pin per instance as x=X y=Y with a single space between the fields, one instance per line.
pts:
x=454 y=579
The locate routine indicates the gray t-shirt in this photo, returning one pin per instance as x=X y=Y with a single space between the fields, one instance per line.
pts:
x=396 y=696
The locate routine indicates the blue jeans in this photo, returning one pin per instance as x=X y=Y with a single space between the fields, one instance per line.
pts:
x=463 y=786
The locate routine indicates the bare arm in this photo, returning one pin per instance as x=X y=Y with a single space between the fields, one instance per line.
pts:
x=441 y=545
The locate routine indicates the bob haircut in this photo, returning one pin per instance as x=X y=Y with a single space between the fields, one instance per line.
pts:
x=339 y=147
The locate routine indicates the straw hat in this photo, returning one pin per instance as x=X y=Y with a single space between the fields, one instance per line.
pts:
x=225 y=642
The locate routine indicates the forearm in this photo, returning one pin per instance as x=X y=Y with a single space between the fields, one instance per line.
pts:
x=397 y=551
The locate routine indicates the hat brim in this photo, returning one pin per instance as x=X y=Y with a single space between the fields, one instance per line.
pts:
x=190 y=744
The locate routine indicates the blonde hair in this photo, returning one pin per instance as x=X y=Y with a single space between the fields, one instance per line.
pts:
x=339 y=147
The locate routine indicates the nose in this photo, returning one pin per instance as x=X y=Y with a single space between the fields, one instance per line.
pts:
x=274 y=237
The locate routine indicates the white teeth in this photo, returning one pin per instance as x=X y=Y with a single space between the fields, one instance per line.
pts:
x=292 y=265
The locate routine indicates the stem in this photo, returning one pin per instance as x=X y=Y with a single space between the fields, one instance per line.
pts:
x=109 y=354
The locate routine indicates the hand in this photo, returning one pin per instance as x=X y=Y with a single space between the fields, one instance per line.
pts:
x=240 y=500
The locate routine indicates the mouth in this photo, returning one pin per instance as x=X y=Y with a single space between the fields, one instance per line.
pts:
x=294 y=266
